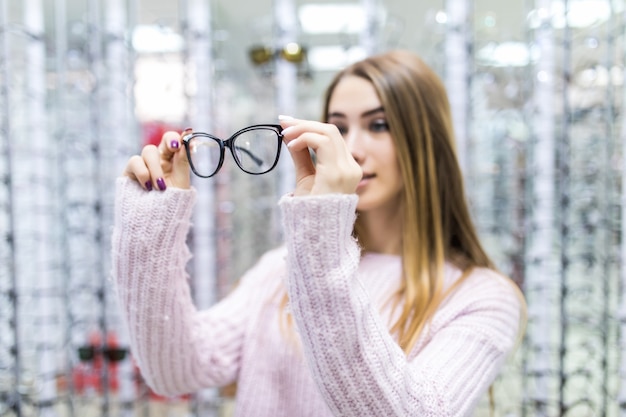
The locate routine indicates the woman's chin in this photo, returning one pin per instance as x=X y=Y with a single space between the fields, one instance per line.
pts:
x=363 y=204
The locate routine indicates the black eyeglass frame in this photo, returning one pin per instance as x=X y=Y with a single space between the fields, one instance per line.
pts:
x=228 y=143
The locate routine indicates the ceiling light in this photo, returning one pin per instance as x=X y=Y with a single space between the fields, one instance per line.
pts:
x=577 y=14
x=506 y=54
x=332 y=58
x=332 y=18
x=156 y=39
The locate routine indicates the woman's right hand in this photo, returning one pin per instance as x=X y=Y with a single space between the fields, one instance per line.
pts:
x=163 y=166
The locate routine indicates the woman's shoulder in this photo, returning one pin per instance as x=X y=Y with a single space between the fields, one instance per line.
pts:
x=485 y=302
x=483 y=285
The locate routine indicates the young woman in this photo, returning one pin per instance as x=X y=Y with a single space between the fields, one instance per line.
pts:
x=382 y=301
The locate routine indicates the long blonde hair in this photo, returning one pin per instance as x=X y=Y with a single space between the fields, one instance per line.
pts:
x=437 y=226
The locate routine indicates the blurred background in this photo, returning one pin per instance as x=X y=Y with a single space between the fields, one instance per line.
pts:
x=537 y=90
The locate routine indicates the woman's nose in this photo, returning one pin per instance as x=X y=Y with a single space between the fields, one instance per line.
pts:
x=355 y=144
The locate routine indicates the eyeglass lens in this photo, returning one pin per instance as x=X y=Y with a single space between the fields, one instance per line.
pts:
x=255 y=151
x=205 y=154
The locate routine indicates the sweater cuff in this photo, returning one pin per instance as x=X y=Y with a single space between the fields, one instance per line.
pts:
x=319 y=224
x=134 y=203
x=158 y=219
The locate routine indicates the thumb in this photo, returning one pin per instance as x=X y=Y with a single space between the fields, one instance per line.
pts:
x=180 y=174
x=174 y=159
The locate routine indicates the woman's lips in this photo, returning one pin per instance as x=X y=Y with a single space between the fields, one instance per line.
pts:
x=365 y=179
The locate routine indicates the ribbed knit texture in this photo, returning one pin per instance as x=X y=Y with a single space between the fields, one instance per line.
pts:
x=339 y=359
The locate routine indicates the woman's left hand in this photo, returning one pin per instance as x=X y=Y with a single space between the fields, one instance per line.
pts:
x=334 y=170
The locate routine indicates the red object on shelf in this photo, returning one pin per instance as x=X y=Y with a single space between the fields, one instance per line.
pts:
x=88 y=374
x=153 y=132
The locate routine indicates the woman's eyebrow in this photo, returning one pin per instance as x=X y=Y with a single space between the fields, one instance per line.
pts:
x=363 y=115
x=335 y=114
x=373 y=111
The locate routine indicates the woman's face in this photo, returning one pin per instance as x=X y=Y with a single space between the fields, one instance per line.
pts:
x=355 y=108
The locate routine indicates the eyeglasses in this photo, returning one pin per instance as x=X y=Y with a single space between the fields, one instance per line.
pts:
x=291 y=52
x=88 y=353
x=255 y=149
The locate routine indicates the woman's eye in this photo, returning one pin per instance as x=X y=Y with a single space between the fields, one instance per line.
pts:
x=342 y=129
x=379 y=126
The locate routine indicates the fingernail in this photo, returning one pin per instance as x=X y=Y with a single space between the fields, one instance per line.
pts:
x=174 y=144
x=287 y=130
x=148 y=185
x=161 y=184
x=284 y=117
x=188 y=128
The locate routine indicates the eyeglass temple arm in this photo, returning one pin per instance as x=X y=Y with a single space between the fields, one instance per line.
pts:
x=256 y=159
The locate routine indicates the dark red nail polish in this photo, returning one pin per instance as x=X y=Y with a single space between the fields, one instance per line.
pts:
x=161 y=184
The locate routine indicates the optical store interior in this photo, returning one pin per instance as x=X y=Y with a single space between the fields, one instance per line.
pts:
x=536 y=91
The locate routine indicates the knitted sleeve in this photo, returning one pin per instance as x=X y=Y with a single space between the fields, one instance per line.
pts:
x=177 y=348
x=359 y=368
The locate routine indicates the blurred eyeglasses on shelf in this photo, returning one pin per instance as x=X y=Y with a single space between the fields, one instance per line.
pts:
x=291 y=52
x=89 y=353
x=255 y=149
x=264 y=58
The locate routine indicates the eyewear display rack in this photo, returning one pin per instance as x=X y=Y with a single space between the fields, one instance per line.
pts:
x=541 y=140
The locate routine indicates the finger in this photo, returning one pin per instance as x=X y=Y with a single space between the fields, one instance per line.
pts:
x=293 y=130
x=320 y=137
x=137 y=170
x=180 y=175
x=170 y=145
x=302 y=160
x=335 y=167
x=303 y=135
x=290 y=124
x=180 y=157
x=286 y=121
x=152 y=158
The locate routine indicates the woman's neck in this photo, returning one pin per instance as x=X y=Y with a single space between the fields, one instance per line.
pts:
x=382 y=233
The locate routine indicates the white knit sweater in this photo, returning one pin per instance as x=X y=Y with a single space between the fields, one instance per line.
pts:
x=339 y=359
